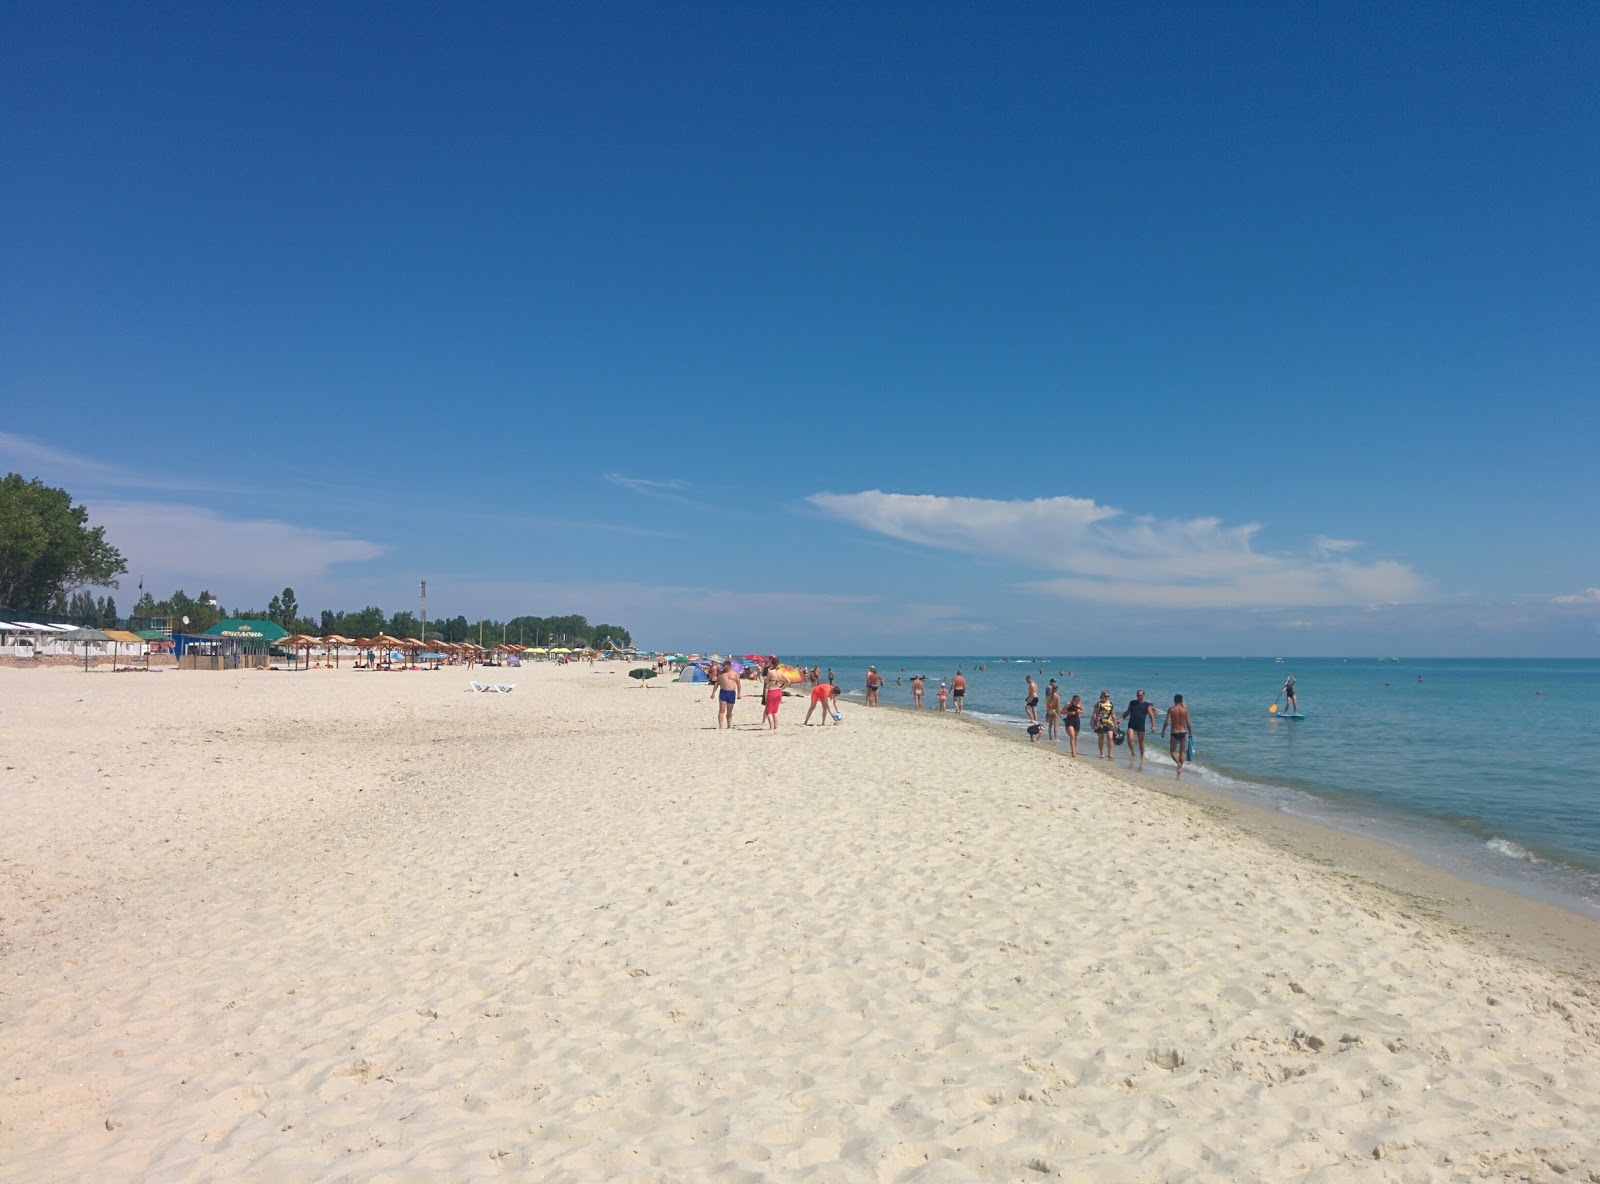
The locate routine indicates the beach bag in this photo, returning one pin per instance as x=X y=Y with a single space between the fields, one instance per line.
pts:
x=1119 y=736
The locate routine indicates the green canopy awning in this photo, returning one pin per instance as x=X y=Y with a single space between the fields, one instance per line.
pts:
x=243 y=630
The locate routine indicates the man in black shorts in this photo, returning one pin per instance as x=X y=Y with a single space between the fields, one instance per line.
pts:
x=958 y=689
x=1137 y=715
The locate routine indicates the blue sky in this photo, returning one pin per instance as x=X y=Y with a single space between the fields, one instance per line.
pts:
x=910 y=328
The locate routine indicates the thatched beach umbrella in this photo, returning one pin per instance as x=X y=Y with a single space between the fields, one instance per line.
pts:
x=297 y=642
x=335 y=641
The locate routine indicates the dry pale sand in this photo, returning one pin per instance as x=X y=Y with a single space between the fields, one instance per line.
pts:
x=351 y=926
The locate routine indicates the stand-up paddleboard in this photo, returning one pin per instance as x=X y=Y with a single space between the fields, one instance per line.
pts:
x=1290 y=715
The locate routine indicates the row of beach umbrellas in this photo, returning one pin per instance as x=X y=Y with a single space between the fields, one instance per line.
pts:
x=383 y=641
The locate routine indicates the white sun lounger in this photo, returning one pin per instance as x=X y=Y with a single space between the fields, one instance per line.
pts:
x=493 y=688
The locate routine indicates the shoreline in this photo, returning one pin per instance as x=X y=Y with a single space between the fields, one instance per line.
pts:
x=1516 y=922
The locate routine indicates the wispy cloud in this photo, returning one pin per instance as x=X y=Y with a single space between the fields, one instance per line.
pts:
x=240 y=559
x=1587 y=596
x=1110 y=556
x=711 y=501
x=1322 y=546
x=32 y=459
x=668 y=489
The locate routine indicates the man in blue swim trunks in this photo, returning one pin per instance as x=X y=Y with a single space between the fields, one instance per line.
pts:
x=728 y=691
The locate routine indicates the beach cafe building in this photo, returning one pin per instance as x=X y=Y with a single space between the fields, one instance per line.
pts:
x=230 y=644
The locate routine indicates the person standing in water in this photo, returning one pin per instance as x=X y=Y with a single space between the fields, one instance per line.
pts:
x=1137 y=715
x=1288 y=693
x=1072 y=721
x=1178 y=720
x=1030 y=704
x=1104 y=719
x=874 y=681
x=1052 y=709
x=917 y=687
x=958 y=689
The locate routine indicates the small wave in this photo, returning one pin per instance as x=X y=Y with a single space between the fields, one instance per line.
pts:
x=1514 y=850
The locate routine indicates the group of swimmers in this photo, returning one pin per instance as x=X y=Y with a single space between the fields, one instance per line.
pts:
x=955 y=689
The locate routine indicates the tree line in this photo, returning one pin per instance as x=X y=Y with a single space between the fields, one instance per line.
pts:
x=50 y=557
x=283 y=609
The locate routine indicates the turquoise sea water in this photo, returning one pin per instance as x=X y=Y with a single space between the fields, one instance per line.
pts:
x=1489 y=768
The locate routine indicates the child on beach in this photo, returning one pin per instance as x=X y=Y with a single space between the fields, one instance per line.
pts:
x=943 y=695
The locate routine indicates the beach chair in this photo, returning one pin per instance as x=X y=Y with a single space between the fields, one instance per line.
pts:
x=493 y=688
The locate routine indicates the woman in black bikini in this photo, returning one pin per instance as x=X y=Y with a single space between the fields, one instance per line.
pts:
x=1072 y=720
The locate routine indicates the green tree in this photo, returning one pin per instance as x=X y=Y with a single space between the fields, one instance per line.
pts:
x=615 y=634
x=365 y=623
x=290 y=609
x=48 y=550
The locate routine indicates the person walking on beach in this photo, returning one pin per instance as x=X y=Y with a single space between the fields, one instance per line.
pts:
x=727 y=694
x=1104 y=720
x=1178 y=720
x=1052 y=709
x=1137 y=715
x=1288 y=693
x=1072 y=721
x=943 y=695
x=772 y=684
x=874 y=681
x=958 y=689
x=1031 y=703
x=917 y=689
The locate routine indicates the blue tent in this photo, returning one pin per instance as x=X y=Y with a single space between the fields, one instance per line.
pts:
x=693 y=674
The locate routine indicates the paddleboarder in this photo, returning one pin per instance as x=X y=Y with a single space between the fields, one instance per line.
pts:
x=1288 y=693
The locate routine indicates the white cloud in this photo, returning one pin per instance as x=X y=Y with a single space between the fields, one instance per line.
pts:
x=242 y=560
x=1110 y=556
x=1587 y=596
x=1323 y=546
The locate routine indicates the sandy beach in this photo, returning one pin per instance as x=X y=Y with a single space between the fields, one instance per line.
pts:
x=340 y=925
